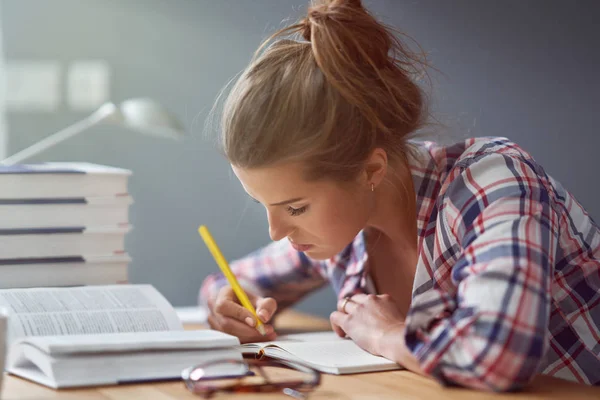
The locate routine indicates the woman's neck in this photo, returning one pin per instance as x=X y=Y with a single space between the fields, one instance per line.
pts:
x=395 y=214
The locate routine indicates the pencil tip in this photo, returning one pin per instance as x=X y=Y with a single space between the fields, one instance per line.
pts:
x=261 y=330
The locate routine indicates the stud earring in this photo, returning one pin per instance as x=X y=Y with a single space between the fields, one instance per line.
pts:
x=372 y=187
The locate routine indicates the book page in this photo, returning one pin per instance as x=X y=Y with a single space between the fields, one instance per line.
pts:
x=192 y=315
x=326 y=336
x=325 y=351
x=339 y=357
x=87 y=310
x=314 y=337
x=132 y=341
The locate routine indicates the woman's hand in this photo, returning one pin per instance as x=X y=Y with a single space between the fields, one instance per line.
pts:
x=376 y=325
x=369 y=320
x=227 y=314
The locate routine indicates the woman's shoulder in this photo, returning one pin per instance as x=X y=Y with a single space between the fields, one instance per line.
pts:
x=489 y=165
x=478 y=165
x=472 y=149
x=449 y=158
x=494 y=156
x=492 y=172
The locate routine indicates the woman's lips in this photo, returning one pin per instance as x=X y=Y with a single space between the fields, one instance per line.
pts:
x=301 y=247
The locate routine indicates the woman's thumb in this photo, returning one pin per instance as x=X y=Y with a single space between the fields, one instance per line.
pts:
x=265 y=308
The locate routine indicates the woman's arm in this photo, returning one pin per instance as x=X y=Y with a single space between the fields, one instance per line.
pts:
x=393 y=347
x=494 y=333
x=276 y=270
x=376 y=325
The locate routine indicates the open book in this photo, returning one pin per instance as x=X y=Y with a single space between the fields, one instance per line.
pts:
x=102 y=335
x=323 y=351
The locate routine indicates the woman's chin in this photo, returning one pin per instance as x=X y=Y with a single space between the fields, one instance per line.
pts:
x=319 y=254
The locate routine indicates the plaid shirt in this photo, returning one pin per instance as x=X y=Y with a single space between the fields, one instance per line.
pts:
x=508 y=276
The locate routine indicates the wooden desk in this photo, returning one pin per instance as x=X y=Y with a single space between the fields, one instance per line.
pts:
x=395 y=385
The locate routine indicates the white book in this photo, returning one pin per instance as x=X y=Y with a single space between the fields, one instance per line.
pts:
x=62 y=242
x=63 y=213
x=104 y=335
x=68 y=271
x=61 y=180
x=323 y=351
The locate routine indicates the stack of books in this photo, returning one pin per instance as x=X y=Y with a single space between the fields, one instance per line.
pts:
x=63 y=224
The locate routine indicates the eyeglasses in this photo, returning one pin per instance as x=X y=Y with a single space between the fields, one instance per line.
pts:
x=251 y=376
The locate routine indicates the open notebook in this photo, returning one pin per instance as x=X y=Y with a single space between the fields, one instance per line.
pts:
x=323 y=351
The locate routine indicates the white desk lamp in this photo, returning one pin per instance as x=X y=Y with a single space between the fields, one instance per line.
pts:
x=139 y=114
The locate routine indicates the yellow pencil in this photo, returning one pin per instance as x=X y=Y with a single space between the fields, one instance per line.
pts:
x=222 y=263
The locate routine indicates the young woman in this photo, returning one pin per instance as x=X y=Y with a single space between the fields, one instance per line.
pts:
x=467 y=263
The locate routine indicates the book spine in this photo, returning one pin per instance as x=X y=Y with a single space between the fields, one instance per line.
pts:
x=42 y=231
x=42 y=260
x=66 y=200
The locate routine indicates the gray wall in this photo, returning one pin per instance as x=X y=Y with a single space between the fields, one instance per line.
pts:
x=522 y=69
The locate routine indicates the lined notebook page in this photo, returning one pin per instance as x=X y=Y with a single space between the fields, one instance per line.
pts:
x=327 y=336
x=331 y=356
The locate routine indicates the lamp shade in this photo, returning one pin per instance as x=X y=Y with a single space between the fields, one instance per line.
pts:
x=147 y=116
x=141 y=114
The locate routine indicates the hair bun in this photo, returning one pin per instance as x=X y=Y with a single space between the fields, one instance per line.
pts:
x=320 y=10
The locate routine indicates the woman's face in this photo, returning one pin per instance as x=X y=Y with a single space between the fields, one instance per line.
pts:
x=319 y=218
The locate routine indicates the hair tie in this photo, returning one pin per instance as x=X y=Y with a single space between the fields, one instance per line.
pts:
x=306 y=28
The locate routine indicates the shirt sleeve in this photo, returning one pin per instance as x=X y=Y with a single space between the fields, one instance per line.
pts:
x=494 y=332
x=276 y=270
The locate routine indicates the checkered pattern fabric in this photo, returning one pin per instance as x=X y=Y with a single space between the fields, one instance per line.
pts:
x=507 y=282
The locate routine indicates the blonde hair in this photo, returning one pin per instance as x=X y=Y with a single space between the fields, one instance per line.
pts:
x=328 y=100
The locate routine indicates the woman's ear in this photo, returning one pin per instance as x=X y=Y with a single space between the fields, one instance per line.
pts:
x=376 y=167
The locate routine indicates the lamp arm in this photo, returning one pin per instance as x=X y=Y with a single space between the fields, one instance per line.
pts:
x=105 y=112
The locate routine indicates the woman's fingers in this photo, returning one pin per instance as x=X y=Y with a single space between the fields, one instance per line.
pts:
x=361 y=297
x=245 y=333
x=228 y=308
x=337 y=319
x=265 y=308
x=229 y=316
x=348 y=304
x=227 y=304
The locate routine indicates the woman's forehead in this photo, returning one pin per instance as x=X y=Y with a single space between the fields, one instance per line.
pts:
x=275 y=184
x=280 y=173
x=264 y=181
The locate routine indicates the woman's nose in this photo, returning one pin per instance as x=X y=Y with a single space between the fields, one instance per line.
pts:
x=278 y=229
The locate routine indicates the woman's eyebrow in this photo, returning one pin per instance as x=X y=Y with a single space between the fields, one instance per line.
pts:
x=281 y=203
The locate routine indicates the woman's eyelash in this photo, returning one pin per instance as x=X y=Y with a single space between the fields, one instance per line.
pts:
x=296 y=211
x=292 y=211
